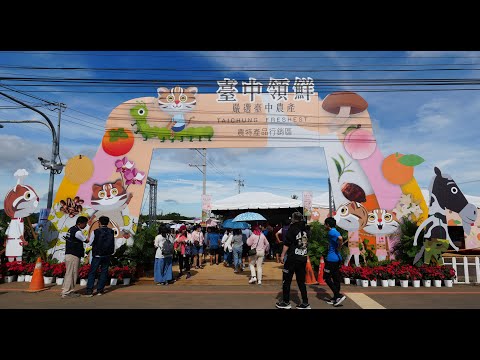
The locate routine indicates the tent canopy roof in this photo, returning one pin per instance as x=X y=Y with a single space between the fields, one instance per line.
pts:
x=256 y=200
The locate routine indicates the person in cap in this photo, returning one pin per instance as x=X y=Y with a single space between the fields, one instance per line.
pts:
x=295 y=251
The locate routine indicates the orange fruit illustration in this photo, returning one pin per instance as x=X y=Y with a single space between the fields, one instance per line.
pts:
x=395 y=172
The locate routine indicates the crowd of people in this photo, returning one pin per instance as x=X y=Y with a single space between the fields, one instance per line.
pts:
x=194 y=248
x=287 y=244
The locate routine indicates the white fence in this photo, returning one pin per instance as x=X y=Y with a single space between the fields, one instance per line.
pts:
x=463 y=262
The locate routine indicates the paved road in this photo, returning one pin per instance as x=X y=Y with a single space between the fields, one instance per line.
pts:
x=146 y=295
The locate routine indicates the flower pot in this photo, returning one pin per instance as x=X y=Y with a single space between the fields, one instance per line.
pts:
x=126 y=281
x=59 y=281
x=391 y=282
x=47 y=280
x=437 y=283
x=404 y=283
x=10 y=278
x=113 y=281
x=373 y=283
x=364 y=283
x=358 y=282
x=448 y=283
x=28 y=278
x=83 y=282
x=21 y=278
x=347 y=281
x=385 y=283
x=416 y=283
x=427 y=283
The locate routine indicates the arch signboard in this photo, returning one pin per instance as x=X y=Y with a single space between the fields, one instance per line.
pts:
x=367 y=187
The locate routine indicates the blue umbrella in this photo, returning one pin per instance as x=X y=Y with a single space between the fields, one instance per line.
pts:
x=249 y=216
x=229 y=224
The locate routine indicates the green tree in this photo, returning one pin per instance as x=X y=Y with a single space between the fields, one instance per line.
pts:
x=404 y=250
x=141 y=254
x=318 y=243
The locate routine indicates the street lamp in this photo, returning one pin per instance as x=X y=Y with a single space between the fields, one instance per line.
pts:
x=52 y=165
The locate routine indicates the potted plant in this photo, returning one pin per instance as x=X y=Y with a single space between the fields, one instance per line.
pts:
x=83 y=274
x=427 y=275
x=391 y=273
x=29 y=271
x=402 y=273
x=47 y=272
x=449 y=275
x=416 y=276
x=21 y=271
x=126 y=274
x=438 y=276
x=346 y=272
x=59 y=271
x=9 y=271
x=381 y=274
x=114 y=273
x=364 y=274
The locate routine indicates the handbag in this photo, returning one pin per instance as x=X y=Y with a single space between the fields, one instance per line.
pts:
x=253 y=252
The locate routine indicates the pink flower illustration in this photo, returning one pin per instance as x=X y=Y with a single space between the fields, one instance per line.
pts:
x=124 y=165
x=133 y=176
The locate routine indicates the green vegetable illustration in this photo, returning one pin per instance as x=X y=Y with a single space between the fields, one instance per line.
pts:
x=341 y=168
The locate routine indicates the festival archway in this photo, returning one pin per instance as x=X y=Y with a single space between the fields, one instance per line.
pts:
x=367 y=188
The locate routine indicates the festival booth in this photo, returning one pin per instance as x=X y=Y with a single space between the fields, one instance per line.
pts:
x=273 y=207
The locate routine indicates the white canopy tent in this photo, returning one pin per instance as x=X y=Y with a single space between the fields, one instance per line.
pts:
x=256 y=200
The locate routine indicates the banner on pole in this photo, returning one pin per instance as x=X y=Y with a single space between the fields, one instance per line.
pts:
x=307 y=203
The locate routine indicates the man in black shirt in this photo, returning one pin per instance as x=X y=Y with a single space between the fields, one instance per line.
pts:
x=103 y=245
x=295 y=249
x=74 y=251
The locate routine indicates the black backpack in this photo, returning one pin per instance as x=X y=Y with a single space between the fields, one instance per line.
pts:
x=104 y=242
x=167 y=248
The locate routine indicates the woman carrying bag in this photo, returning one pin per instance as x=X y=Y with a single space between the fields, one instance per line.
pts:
x=258 y=242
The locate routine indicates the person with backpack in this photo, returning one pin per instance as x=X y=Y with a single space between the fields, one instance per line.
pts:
x=74 y=251
x=162 y=270
x=295 y=247
x=103 y=246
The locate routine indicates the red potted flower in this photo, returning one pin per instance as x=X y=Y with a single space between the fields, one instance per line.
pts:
x=83 y=274
x=59 y=271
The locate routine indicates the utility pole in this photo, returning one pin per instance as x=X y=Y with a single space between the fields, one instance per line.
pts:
x=329 y=198
x=241 y=183
x=152 y=203
x=204 y=172
x=52 y=165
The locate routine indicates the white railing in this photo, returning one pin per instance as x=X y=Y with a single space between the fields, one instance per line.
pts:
x=466 y=264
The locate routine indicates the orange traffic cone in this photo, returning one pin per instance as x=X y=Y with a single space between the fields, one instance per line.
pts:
x=320 y=272
x=37 y=283
x=310 y=275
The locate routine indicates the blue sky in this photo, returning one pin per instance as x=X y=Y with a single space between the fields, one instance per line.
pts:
x=440 y=126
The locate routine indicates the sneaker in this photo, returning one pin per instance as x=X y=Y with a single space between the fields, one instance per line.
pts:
x=303 y=306
x=88 y=294
x=283 y=305
x=253 y=280
x=100 y=293
x=339 y=300
x=70 y=295
x=329 y=301
x=259 y=283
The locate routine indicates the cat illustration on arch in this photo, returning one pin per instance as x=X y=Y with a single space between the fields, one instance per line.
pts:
x=177 y=102
x=109 y=199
